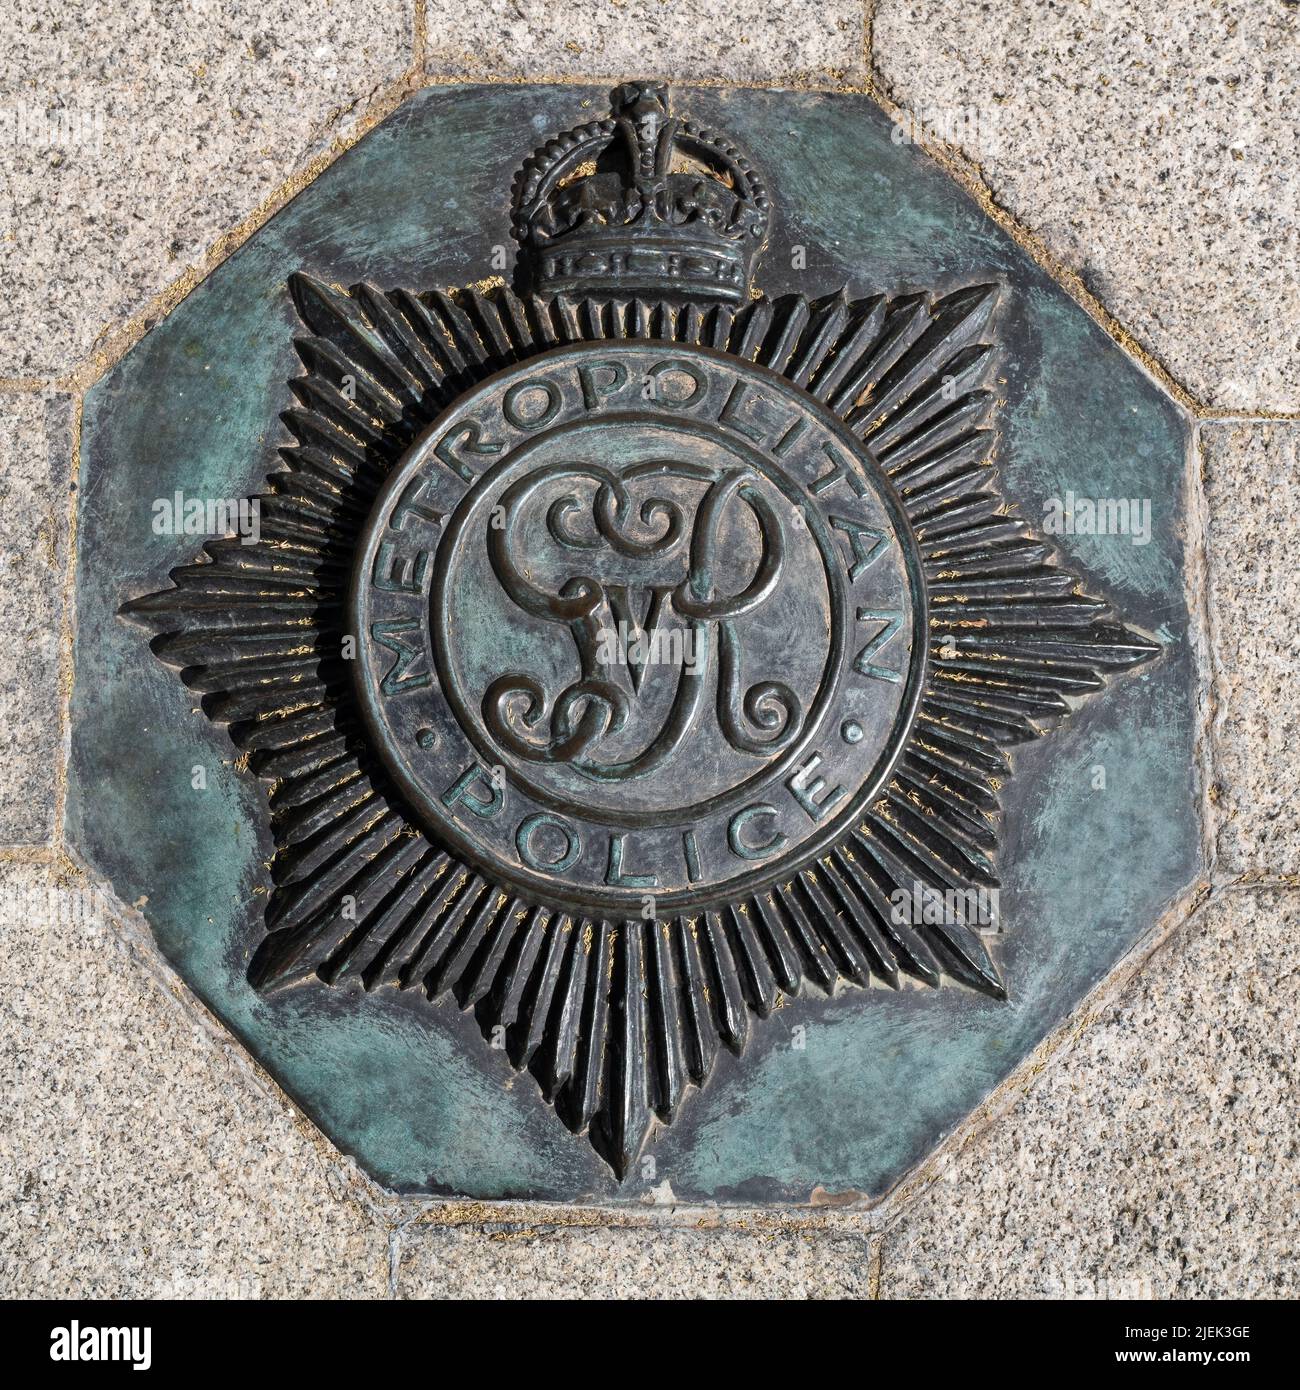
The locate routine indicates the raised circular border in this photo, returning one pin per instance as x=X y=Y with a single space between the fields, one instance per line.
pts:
x=519 y=877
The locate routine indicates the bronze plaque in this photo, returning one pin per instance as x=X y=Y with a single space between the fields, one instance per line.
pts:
x=627 y=653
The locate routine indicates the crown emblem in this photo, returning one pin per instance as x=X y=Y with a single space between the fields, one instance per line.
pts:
x=640 y=203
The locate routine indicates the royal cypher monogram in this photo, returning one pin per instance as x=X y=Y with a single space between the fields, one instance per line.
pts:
x=512 y=505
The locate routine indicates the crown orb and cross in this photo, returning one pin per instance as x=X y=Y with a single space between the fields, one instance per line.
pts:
x=693 y=629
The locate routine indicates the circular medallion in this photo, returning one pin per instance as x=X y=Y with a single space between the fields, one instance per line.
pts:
x=638 y=620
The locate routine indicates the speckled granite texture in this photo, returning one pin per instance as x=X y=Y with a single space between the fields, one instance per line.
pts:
x=138 y=134
x=1151 y=148
x=538 y=1261
x=744 y=41
x=139 y=1155
x=35 y=459
x=1157 y=1159
x=1251 y=474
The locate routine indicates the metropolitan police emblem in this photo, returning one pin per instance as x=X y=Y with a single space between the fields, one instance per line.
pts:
x=626 y=653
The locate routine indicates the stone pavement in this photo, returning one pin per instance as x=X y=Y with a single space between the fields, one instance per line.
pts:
x=1145 y=154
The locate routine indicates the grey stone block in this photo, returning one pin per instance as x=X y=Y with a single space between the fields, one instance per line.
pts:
x=590 y=1262
x=35 y=461
x=136 y=136
x=737 y=40
x=1251 y=474
x=1157 y=1158
x=1152 y=146
x=140 y=1158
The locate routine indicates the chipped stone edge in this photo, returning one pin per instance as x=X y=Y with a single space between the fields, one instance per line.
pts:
x=1200 y=632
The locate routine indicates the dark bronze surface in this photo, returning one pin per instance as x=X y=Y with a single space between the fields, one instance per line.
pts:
x=600 y=666
x=640 y=202
x=615 y=657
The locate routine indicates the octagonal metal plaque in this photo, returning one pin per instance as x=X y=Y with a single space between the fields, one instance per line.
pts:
x=583 y=725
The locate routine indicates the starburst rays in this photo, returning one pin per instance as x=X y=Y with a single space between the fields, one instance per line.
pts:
x=617 y=1020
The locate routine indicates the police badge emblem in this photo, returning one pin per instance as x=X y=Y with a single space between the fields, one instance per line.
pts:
x=626 y=653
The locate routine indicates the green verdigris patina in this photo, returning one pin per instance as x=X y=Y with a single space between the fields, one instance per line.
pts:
x=1098 y=825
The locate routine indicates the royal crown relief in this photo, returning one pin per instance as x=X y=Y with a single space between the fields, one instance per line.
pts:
x=619 y=652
